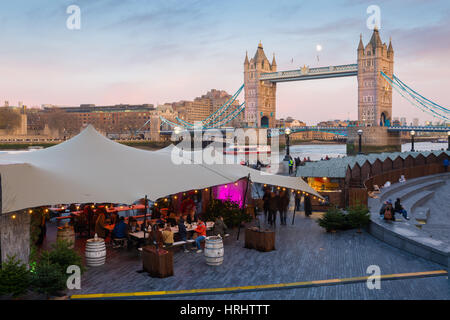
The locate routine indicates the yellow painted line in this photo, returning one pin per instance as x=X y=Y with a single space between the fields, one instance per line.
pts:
x=394 y=276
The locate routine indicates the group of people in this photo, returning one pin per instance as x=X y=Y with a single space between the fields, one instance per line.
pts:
x=388 y=210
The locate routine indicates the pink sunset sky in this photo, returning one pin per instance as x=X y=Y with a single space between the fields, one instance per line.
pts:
x=161 y=51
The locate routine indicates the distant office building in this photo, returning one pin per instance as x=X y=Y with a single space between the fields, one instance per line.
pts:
x=415 y=122
x=202 y=107
x=403 y=121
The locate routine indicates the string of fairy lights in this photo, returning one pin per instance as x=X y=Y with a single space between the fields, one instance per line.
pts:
x=14 y=214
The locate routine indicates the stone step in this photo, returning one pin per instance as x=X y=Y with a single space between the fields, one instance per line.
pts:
x=410 y=191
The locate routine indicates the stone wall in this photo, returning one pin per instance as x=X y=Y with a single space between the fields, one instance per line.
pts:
x=15 y=235
x=374 y=139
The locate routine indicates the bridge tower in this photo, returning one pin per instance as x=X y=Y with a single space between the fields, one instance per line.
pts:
x=374 y=92
x=260 y=96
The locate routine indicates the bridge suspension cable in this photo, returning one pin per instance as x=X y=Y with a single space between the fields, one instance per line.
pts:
x=222 y=109
x=417 y=99
x=223 y=106
x=230 y=117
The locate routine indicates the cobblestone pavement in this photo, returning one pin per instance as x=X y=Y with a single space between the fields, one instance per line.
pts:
x=303 y=252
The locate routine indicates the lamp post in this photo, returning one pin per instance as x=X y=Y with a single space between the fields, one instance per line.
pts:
x=287 y=132
x=448 y=134
x=360 y=132
x=413 y=133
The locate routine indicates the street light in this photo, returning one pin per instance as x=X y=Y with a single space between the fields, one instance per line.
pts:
x=360 y=132
x=287 y=132
x=413 y=133
x=448 y=134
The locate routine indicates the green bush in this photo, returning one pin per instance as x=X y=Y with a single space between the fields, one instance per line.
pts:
x=229 y=210
x=14 y=277
x=63 y=256
x=358 y=216
x=333 y=219
x=48 y=278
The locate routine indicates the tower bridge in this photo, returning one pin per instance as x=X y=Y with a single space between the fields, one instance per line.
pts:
x=374 y=91
x=374 y=69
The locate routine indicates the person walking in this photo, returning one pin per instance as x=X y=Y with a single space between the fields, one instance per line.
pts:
x=283 y=204
x=266 y=205
x=298 y=201
x=291 y=165
x=308 y=206
x=273 y=207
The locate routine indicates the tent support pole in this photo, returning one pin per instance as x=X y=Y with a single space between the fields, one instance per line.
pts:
x=145 y=221
x=295 y=207
x=145 y=214
x=243 y=205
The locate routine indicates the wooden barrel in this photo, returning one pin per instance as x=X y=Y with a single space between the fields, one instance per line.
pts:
x=214 y=251
x=66 y=233
x=95 y=252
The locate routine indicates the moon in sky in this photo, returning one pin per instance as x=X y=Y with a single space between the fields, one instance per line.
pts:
x=319 y=47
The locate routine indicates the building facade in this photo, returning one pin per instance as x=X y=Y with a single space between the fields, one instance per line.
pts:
x=260 y=96
x=374 y=92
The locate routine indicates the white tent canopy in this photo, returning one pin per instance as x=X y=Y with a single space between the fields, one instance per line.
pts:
x=92 y=168
x=243 y=171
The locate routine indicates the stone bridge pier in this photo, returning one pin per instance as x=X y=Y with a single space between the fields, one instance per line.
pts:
x=373 y=139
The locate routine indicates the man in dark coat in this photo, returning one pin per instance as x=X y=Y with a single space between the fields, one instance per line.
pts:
x=283 y=204
x=308 y=206
x=273 y=207
x=266 y=199
x=182 y=232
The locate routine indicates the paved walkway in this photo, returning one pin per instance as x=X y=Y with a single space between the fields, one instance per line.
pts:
x=304 y=253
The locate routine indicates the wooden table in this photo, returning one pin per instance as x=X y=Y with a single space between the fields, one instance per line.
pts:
x=260 y=240
x=158 y=263
x=140 y=234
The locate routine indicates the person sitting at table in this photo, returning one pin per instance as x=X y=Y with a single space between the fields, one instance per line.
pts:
x=200 y=231
x=167 y=236
x=172 y=219
x=220 y=228
x=120 y=230
x=100 y=224
x=133 y=226
x=182 y=232
x=114 y=217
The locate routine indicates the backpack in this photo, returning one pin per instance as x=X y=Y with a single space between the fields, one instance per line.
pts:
x=388 y=214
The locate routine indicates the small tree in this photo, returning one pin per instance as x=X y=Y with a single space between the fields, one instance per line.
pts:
x=14 y=277
x=63 y=256
x=48 y=278
x=232 y=214
x=358 y=216
x=332 y=220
